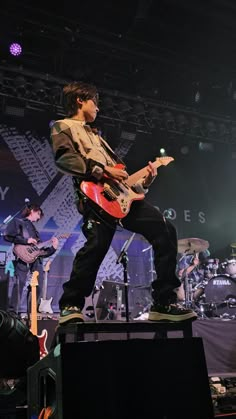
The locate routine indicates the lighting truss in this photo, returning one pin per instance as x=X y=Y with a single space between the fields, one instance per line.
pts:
x=44 y=92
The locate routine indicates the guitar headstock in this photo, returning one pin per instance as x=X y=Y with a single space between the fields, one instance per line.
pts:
x=47 y=266
x=34 y=279
x=165 y=160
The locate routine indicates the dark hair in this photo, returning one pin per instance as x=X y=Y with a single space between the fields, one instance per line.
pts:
x=78 y=89
x=32 y=207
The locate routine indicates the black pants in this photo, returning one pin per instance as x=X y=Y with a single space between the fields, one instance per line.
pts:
x=143 y=219
x=21 y=276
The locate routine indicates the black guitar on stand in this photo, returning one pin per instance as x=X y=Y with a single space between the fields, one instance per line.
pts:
x=45 y=304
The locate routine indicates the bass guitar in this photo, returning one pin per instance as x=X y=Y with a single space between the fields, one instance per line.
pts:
x=115 y=198
x=34 y=318
x=45 y=305
x=30 y=252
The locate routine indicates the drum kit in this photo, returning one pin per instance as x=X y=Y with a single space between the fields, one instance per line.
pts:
x=214 y=295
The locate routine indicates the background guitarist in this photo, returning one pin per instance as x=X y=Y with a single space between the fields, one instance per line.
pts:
x=80 y=152
x=22 y=231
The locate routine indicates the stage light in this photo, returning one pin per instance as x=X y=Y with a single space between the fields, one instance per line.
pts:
x=55 y=94
x=139 y=109
x=39 y=90
x=154 y=114
x=169 y=120
x=124 y=106
x=20 y=85
x=205 y=146
x=107 y=103
x=182 y=122
x=184 y=149
x=19 y=348
x=162 y=151
x=197 y=96
x=15 y=49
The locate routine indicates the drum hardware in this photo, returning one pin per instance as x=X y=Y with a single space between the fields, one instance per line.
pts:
x=229 y=267
x=188 y=290
x=142 y=287
x=192 y=245
x=152 y=270
x=231 y=302
x=200 y=310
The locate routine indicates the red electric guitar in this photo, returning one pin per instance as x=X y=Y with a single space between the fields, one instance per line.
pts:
x=115 y=198
x=34 y=320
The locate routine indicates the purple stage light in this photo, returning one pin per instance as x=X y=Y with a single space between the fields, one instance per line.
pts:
x=15 y=49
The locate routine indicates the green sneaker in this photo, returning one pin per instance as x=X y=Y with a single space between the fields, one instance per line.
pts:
x=70 y=314
x=172 y=312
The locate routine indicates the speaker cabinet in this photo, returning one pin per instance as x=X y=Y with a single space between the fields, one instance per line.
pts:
x=4 y=283
x=136 y=378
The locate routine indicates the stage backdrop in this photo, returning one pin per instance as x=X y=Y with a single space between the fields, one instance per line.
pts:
x=197 y=189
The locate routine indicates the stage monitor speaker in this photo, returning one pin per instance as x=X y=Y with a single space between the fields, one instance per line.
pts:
x=4 y=284
x=128 y=379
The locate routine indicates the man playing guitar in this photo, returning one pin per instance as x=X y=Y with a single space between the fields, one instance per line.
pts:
x=102 y=184
x=21 y=231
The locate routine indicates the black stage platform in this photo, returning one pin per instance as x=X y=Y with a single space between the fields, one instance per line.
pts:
x=219 y=338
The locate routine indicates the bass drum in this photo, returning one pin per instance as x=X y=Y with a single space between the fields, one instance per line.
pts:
x=220 y=296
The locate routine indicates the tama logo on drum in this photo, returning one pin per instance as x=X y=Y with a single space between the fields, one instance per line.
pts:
x=221 y=282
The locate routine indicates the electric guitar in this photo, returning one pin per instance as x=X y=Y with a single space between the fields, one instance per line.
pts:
x=115 y=198
x=45 y=305
x=34 y=320
x=30 y=252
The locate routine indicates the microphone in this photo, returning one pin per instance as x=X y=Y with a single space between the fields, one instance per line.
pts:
x=27 y=202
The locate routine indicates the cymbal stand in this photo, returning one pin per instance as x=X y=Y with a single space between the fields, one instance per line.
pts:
x=187 y=289
x=123 y=258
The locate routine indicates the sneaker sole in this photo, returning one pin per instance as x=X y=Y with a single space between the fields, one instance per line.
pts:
x=155 y=316
x=75 y=317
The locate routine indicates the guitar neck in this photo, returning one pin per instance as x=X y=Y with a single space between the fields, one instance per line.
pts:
x=49 y=242
x=44 y=244
x=135 y=177
x=45 y=285
x=34 y=320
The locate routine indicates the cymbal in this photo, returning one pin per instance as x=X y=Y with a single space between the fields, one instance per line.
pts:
x=192 y=245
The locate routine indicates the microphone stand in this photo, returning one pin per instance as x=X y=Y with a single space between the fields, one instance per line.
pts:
x=9 y=218
x=123 y=258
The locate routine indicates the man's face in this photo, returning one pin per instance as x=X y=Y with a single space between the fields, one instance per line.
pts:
x=35 y=215
x=90 y=110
